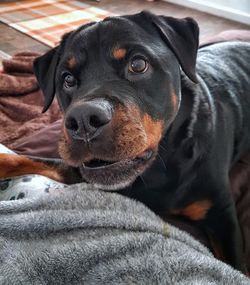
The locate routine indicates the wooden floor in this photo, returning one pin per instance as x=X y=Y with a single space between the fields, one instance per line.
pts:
x=12 y=41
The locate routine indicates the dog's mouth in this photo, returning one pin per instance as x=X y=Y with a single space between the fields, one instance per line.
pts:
x=98 y=163
x=105 y=164
x=114 y=175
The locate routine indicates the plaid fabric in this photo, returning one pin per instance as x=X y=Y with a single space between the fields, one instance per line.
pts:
x=48 y=20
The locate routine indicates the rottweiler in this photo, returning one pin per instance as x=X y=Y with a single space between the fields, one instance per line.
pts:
x=147 y=116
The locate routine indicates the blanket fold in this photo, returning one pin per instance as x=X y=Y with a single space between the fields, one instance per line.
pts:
x=21 y=101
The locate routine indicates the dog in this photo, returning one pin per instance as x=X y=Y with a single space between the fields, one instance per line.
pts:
x=145 y=116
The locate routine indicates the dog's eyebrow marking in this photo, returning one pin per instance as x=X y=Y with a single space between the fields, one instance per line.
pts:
x=119 y=53
x=71 y=62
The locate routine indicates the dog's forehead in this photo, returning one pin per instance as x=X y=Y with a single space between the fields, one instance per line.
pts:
x=109 y=33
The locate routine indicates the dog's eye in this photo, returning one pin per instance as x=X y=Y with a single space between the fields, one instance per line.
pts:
x=69 y=80
x=138 y=65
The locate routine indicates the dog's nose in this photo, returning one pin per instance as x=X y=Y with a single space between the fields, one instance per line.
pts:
x=87 y=120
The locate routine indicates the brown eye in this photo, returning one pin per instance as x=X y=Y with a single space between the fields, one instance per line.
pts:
x=138 y=65
x=69 y=80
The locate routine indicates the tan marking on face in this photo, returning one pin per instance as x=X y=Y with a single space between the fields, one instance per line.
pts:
x=134 y=132
x=153 y=130
x=129 y=136
x=119 y=53
x=71 y=62
x=195 y=211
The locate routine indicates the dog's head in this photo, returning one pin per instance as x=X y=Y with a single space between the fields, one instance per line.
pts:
x=118 y=84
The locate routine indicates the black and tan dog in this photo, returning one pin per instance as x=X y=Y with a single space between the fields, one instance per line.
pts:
x=143 y=118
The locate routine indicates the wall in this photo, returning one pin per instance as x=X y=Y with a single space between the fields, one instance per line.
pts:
x=238 y=10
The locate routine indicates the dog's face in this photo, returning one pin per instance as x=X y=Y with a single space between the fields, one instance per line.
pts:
x=118 y=84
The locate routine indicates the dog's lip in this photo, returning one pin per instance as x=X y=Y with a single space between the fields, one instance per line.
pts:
x=143 y=157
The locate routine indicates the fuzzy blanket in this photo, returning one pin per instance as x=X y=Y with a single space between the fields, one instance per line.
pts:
x=86 y=236
x=21 y=101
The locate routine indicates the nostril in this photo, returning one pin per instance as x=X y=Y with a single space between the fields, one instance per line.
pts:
x=71 y=124
x=96 y=121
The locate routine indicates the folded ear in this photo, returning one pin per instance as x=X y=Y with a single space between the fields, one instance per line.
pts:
x=45 y=70
x=182 y=36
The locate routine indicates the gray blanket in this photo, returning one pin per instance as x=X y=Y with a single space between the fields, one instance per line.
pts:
x=84 y=236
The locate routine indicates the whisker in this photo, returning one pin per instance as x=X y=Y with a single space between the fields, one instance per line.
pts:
x=143 y=181
x=162 y=147
x=162 y=160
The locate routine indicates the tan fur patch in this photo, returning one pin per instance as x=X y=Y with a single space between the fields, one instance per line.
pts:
x=153 y=130
x=195 y=211
x=71 y=62
x=135 y=133
x=130 y=138
x=16 y=165
x=119 y=53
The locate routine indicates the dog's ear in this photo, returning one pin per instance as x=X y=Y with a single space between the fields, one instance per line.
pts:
x=45 y=69
x=182 y=36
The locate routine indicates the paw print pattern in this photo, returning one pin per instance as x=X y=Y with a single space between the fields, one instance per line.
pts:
x=30 y=186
